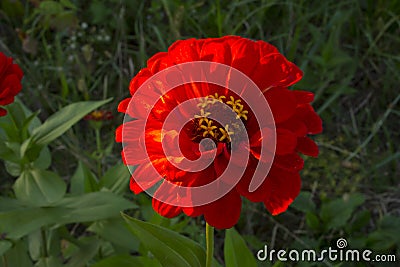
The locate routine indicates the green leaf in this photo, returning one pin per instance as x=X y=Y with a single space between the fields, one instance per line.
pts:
x=67 y=3
x=50 y=8
x=83 y=180
x=39 y=187
x=116 y=179
x=17 y=256
x=361 y=219
x=9 y=204
x=20 y=219
x=49 y=262
x=13 y=8
x=92 y=207
x=64 y=20
x=12 y=168
x=387 y=235
x=35 y=245
x=4 y=246
x=62 y=120
x=304 y=203
x=20 y=222
x=127 y=261
x=312 y=221
x=336 y=213
x=236 y=252
x=85 y=253
x=167 y=246
x=115 y=231
x=44 y=159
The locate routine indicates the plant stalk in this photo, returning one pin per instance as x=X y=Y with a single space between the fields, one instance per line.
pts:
x=209 y=244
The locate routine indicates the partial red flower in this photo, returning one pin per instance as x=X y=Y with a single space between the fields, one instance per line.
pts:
x=10 y=81
x=99 y=115
x=294 y=120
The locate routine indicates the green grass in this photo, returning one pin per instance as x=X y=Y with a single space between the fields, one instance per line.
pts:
x=348 y=51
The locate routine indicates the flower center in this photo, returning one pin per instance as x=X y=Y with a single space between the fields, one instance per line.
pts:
x=205 y=127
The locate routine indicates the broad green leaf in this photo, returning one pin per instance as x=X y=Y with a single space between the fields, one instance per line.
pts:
x=17 y=118
x=10 y=204
x=85 y=253
x=16 y=256
x=44 y=160
x=26 y=125
x=50 y=8
x=236 y=252
x=35 y=245
x=67 y=3
x=13 y=169
x=4 y=246
x=39 y=187
x=13 y=9
x=337 y=212
x=387 y=236
x=92 y=206
x=49 y=262
x=312 y=221
x=170 y=248
x=304 y=203
x=20 y=120
x=127 y=261
x=54 y=240
x=20 y=222
x=116 y=179
x=83 y=180
x=62 y=120
x=361 y=219
x=115 y=231
x=64 y=20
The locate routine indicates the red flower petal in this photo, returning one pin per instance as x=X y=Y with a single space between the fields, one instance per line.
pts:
x=286 y=142
x=192 y=211
x=289 y=162
x=274 y=70
x=303 y=97
x=139 y=79
x=225 y=212
x=294 y=125
x=266 y=49
x=216 y=51
x=185 y=51
x=10 y=81
x=164 y=209
x=281 y=189
x=282 y=103
x=307 y=146
x=123 y=105
x=310 y=118
x=242 y=50
x=256 y=143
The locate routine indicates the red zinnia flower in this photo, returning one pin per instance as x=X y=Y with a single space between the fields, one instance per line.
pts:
x=155 y=147
x=10 y=81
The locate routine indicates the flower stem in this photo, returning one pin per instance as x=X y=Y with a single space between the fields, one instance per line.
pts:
x=44 y=243
x=210 y=244
x=99 y=151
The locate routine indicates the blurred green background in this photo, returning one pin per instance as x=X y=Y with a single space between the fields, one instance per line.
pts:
x=73 y=51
